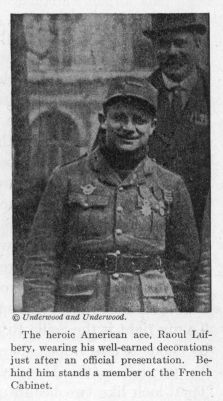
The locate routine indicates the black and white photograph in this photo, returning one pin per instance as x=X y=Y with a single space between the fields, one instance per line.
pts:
x=111 y=162
x=111 y=200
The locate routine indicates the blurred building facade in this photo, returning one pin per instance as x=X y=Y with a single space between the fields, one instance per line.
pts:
x=70 y=61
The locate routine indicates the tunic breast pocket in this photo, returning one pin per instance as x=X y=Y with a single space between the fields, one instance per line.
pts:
x=151 y=214
x=88 y=214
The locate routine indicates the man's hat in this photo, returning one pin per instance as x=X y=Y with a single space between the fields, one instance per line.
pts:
x=132 y=88
x=162 y=23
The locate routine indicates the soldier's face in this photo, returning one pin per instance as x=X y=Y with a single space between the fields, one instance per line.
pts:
x=128 y=126
x=177 y=54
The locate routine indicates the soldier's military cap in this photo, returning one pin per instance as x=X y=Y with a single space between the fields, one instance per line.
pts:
x=132 y=88
x=162 y=23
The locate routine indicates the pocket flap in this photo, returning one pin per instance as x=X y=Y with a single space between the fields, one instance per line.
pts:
x=88 y=200
x=78 y=285
x=155 y=284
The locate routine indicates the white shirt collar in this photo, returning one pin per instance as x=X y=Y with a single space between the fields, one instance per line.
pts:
x=187 y=84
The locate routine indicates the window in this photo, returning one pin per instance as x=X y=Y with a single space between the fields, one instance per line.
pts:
x=55 y=139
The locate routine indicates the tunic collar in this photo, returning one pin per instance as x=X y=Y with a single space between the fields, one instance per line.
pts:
x=187 y=84
x=106 y=173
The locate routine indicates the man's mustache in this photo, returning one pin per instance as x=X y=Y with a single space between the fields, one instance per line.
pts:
x=168 y=61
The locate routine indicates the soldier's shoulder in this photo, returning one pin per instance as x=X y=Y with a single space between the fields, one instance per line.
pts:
x=72 y=164
x=167 y=178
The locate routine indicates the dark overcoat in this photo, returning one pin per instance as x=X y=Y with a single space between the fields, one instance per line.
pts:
x=182 y=144
x=86 y=216
x=202 y=299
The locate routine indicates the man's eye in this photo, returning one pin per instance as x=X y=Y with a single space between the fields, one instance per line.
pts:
x=163 y=43
x=179 y=43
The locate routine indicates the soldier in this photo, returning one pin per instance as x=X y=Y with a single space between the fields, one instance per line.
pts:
x=114 y=231
x=182 y=139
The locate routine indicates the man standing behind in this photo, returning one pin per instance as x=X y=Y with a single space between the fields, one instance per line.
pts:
x=182 y=139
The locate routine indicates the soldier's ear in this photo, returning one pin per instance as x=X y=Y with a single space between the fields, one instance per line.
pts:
x=153 y=124
x=102 y=119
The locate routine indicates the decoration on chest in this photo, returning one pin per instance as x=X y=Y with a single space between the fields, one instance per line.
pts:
x=88 y=189
x=146 y=208
x=151 y=199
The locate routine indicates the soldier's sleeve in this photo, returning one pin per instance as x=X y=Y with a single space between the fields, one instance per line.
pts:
x=43 y=246
x=202 y=301
x=182 y=247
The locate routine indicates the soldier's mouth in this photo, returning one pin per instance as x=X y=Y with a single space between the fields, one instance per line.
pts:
x=129 y=137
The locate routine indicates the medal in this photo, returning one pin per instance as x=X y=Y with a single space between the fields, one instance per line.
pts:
x=146 y=208
x=88 y=189
x=162 y=211
x=168 y=198
x=161 y=208
x=145 y=192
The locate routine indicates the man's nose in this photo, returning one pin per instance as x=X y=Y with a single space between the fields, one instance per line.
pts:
x=173 y=49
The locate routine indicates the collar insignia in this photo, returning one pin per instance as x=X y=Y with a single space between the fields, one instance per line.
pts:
x=88 y=189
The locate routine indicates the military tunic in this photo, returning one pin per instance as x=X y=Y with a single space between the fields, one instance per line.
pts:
x=182 y=144
x=89 y=217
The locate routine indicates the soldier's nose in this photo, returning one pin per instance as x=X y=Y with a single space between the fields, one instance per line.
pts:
x=129 y=126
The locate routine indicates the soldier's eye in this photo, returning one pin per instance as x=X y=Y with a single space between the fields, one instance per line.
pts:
x=138 y=119
x=119 y=117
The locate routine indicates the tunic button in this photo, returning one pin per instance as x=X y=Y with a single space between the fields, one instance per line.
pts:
x=120 y=189
x=118 y=231
x=119 y=209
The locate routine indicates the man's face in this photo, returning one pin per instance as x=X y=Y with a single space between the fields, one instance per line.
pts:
x=177 y=54
x=128 y=125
